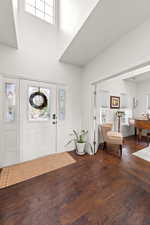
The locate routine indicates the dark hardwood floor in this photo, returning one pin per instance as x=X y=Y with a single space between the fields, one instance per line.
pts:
x=96 y=190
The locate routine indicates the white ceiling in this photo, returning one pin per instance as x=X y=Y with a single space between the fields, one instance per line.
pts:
x=8 y=33
x=109 y=21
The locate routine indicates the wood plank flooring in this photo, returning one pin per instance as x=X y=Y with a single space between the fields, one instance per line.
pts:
x=96 y=190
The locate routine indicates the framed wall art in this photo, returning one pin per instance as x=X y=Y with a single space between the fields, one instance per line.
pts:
x=114 y=102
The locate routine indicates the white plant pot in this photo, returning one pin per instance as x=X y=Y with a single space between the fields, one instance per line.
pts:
x=80 y=148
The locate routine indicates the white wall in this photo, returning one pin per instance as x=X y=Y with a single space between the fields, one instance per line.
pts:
x=116 y=87
x=132 y=50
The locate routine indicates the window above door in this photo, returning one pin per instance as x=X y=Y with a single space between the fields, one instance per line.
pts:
x=43 y=9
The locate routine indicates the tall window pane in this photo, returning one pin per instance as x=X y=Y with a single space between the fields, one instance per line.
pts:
x=44 y=9
x=31 y=2
x=62 y=103
x=49 y=2
x=10 y=93
x=40 y=5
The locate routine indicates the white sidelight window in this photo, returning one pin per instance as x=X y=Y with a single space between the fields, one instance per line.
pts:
x=43 y=9
x=62 y=103
x=10 y=102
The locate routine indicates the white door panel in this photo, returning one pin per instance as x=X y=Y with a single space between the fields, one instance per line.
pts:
x=10 y=158
x=10 y=140
x=38 y=137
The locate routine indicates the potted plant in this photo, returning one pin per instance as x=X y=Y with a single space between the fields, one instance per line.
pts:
x=79 y=140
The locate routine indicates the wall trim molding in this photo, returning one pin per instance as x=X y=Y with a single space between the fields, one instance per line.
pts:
x=137 y=69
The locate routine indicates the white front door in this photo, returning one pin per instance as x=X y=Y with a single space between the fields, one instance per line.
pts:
x=38 y=125
x=10 y=122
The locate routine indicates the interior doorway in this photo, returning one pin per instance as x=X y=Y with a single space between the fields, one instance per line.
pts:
x=124 y=86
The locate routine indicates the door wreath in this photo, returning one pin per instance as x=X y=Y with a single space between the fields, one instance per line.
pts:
x=38 y=100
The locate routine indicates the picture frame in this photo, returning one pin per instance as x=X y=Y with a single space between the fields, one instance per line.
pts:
x=114 y=102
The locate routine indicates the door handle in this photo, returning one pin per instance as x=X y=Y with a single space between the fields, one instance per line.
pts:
x=54 y=122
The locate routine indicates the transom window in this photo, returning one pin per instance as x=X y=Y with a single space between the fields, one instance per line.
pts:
x=43 y=9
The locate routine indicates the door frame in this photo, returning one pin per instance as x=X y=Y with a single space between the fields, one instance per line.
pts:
x=18 y=78
x=1 y=121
